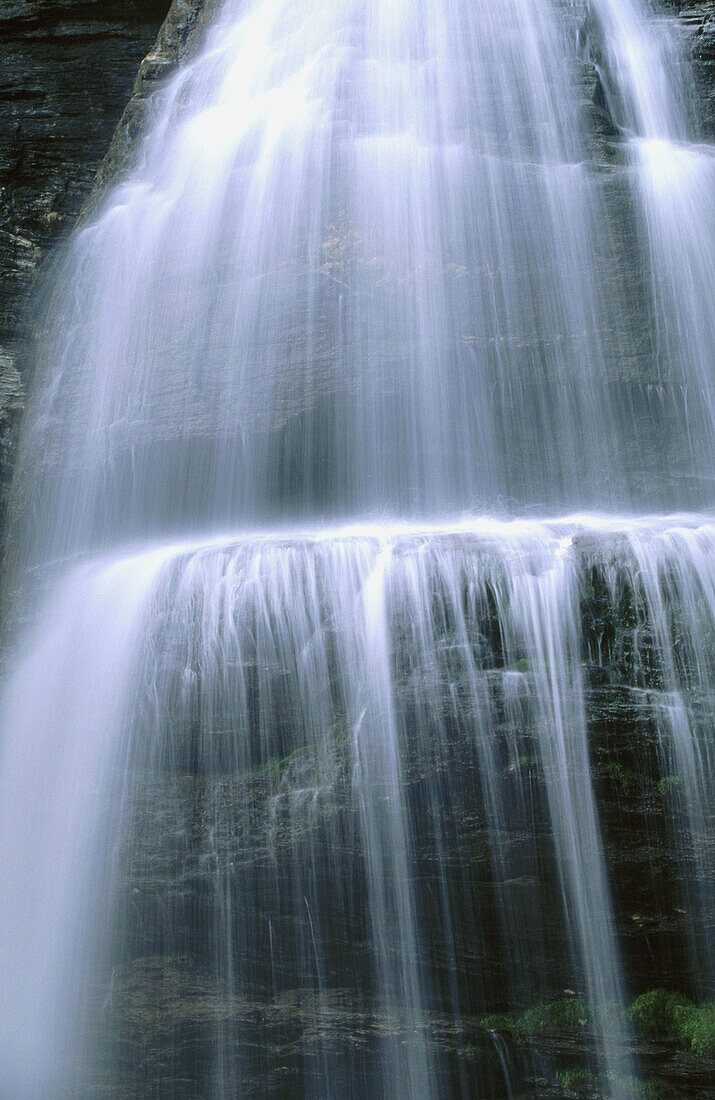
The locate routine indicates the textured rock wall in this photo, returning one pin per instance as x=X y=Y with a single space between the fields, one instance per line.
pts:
x=698 y=19
x=274 y=852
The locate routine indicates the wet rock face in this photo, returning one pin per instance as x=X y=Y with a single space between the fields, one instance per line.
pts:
x=67 y=68
x=698 y=20
x=245 y=952
x=250 y=850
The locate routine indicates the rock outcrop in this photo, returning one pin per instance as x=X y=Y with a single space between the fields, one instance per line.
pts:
x=698 y=21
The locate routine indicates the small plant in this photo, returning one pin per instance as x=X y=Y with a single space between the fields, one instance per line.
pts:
x=653 y=1013
x=574 y=1079
x=569 y=1012
x=652 y=1089
x=621 y=777
x=663 y=1014
x=522 y=763
x=565 y=1014
x=497 y=1023
x=669 y=785
x=696 y=1028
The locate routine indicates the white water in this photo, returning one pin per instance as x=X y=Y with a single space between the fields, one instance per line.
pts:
x=355 y=272
x=646 y=77
x=64 y=714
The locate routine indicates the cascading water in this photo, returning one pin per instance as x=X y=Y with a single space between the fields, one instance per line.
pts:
x=297 y=779
x=675 y=178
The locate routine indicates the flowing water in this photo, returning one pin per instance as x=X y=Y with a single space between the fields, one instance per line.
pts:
x=299 y=778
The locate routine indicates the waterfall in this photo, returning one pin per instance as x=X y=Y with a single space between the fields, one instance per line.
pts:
x=674 y=180
x=299 y=783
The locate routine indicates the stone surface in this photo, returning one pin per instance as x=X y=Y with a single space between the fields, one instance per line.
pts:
x=698 y=21
x=276 y=848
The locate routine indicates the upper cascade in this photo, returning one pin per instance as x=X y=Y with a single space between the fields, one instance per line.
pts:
x=363 y=266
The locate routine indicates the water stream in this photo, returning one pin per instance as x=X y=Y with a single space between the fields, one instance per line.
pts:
x=298 y=772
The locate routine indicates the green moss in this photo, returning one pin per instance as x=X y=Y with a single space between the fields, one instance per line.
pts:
x=522 y=763
x=620 y=776
x=574 y=1079
x=653 y=1089
x=695 y=1028
x=497 y=1023
x=653 y=1013
x=583 y=1082
x=275 y=767
x=663 y=1014
x=335 y=743
x=657 y=1014
x=272 y=768
x=569 y=1012
x=668 y=785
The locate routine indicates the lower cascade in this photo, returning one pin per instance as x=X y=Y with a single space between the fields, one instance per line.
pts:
x=332 y=764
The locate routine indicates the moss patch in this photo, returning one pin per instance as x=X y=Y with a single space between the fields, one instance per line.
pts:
x=696 y=1028
x=564 y=1014
x=656 y=1014
x=573 y=1080
x=664 y=1014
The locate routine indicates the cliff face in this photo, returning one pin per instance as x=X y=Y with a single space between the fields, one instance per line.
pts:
x=698 y=19
x=67 y=70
